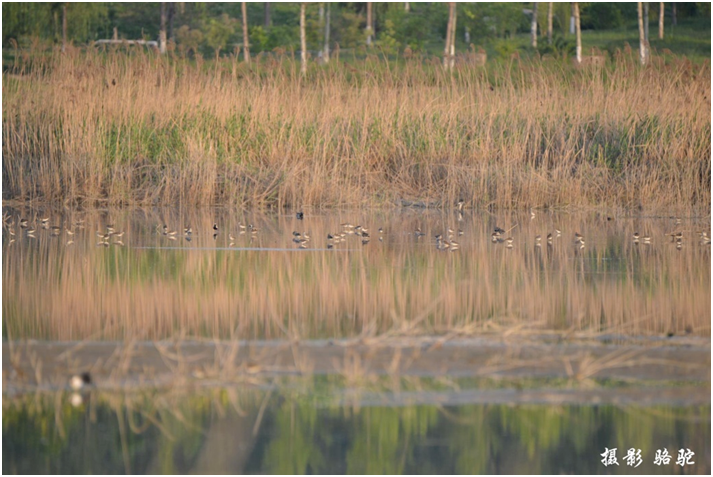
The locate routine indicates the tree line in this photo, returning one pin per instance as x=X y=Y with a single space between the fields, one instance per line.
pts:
x=215 y=28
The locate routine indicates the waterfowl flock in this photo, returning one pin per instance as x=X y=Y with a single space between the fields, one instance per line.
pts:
x=444 y=241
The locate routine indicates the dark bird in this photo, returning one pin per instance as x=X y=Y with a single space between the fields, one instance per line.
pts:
x=300 y=215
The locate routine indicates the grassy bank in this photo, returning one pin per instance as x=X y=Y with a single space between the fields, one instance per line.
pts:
x=136 y=128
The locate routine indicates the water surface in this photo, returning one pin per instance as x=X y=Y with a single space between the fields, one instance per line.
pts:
x=150 y=283
x=297 y=430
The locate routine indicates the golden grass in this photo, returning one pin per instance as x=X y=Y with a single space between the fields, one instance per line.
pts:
x=402 y=286
x=133 y=127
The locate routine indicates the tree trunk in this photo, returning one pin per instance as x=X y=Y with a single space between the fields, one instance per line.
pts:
x=549 y=23
x=325 y=55
x=369 y=25
x=303 y=39
x=674 y=21
x=646 y=21
x=571 y=21
x=407 y=7
x=449 y=28
x=577 y=31
x=452 y=56
x=643 y=50
x=268 y=18
x=64 y=27
x=533 y=25
x=661 y=12
x=246 y=39
x=162 y=31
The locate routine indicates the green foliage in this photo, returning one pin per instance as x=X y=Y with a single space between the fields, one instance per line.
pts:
x=601 y=16
x=189 y=39
x=387 y=40
x=560 y=48
x=423 y=28
x=495 y=20
x=347 y=29
x=85 y=21
x=405 y=28
x=219 y=31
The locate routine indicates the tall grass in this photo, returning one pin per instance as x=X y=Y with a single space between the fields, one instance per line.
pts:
x=130 y=127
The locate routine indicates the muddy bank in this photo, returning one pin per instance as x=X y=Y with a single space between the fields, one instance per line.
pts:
x=36 y=365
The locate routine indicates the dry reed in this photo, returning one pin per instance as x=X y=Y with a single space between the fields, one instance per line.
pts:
x=130 y=127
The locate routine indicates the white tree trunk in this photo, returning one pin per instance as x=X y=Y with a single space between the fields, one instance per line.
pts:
x=407 y=7
x=533 y=25
x=303 y=39
x=452 y=59
x=449 y=28
x=549 y=23
x=578 y=31
x=643 y=47
x=661 y=12
x=369 y=25
x=162 y=31
x=646 y=21
x=326 y=33
x=246 y=43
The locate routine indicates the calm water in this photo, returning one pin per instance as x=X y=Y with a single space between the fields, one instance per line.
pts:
x=235 y=430
x=145 y=282
x=263 y=285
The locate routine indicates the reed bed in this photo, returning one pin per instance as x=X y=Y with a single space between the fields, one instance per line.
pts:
x=402 y=285
x=131 y=127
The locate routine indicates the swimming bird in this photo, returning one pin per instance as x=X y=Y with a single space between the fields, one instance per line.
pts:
x=636 y=237
x=78 y=381
x=300 y=215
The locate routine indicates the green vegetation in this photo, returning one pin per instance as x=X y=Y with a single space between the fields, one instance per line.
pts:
x=211 y=431
x=496 y=27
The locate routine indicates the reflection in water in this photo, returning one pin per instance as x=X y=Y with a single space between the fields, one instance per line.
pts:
x=253 y=431
x=257 y=278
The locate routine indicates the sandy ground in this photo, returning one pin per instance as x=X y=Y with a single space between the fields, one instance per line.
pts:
x=681 y=366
